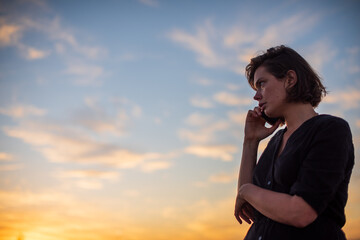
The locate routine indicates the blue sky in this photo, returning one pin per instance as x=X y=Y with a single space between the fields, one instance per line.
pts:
x=138 y=107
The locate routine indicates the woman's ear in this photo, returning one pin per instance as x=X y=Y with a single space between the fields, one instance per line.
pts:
x=290 y=79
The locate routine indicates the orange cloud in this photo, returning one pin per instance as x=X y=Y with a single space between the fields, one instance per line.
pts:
x=223 y=178
x=99 y=119
x=88 y=179
x=7 y=163
x=5 y=157
x=237 y=117
x=9 y=34
x=346 y=99
x=33 y=53
x=22 y=110
x=223 y=152
x=61 y=144
x=10 y=167
x=151 y=166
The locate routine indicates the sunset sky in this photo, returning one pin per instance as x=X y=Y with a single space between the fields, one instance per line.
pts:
x=124 y=119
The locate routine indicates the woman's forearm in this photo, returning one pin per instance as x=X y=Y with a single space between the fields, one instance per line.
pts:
x=280 y=207
x=248 y=161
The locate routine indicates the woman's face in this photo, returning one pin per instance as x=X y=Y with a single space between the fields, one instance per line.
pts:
x=271 y=92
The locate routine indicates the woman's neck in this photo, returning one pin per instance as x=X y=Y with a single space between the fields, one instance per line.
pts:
x=297 y=114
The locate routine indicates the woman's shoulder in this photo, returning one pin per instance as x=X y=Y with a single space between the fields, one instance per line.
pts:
x=327 y=122
x=327 y=119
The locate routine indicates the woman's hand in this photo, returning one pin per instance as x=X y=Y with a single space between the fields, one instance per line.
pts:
x=243 y=210
x=255 y=129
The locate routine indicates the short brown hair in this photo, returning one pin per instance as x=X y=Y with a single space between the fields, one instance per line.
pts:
x=278 y=61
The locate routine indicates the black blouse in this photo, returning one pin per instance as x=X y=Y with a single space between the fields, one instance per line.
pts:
x=316 y=165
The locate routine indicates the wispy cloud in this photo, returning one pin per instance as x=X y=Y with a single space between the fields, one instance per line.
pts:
x=83 y=139
x=198 y=119
x=22 y=111
x=7 y=163
x=205 y=134
x=88 y=179
x=113 y=117
x=33 y=53
x=204 y=81
x=345 y=99
x=320 y=53
x=218 y=178
x=85 y=74
x=200 y=44
x=239 y=36
x=232 y=49
x=89 y=184
x=350 y=63
x=9 y=33
x=354 y=53
x=151 y=166
x=237 y=117
x=231 y=99
x=233 y=87
x=223 y=152
x=56 y=38
x=6 y=157
x=67 y=144
x=95 y=174
x=223 y=177
x=62 y=36
x=201 y=102
x=287 y=30
x=11 y=167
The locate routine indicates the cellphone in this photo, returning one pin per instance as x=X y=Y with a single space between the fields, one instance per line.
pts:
x=269 y=120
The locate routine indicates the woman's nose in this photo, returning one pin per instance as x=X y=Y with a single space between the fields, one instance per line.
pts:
x=257 y=96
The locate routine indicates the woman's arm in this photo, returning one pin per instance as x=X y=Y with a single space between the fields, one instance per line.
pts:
x=255 y=131
x=280 y=207
x=248 y=161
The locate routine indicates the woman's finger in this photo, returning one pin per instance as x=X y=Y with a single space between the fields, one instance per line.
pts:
x=249 y=212
x=244 y=217
x=258 y=111
x=237 y=216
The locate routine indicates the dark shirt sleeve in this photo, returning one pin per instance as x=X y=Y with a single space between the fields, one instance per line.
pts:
x=324 y=167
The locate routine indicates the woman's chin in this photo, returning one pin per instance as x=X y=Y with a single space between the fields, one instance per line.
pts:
x=268 y=113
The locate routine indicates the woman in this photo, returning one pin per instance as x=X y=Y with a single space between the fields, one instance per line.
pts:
x=298 y=188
